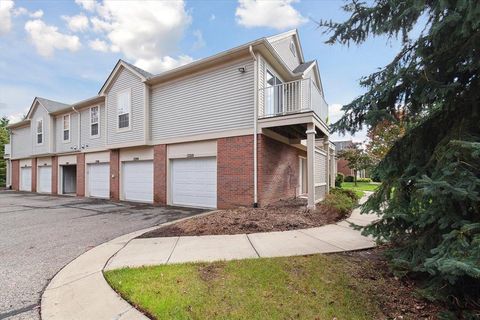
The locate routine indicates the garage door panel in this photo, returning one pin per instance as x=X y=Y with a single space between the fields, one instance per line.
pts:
x=45 y=179
x=194 y=182
x=99 y=180
x=26 y=179
x=137 y=181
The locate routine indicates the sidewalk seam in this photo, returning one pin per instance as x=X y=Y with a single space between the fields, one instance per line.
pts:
x=173 y=249
x=251 y=243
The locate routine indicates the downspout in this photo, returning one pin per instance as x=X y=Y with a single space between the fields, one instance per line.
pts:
x=255 y=118
x=79 y=128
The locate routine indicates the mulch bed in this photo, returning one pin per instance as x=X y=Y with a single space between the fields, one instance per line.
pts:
x=281 y=216
x=396 y=297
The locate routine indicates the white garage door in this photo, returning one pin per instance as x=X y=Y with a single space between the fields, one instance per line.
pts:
x=137 y=181
x=26 y=179
x=45 y=179
x=194 y=182
x=98 y=180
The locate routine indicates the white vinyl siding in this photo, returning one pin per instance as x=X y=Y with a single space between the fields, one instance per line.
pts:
x=66 y=146
x=21 y=142
x=218 y=100
x=126 y=80
x=87 y=139
x=282 y=47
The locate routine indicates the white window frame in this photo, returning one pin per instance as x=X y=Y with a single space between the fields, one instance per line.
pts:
x=293 y=48
x=69 y=128
x=38 y=133
x=129 y=91
x=92 y=123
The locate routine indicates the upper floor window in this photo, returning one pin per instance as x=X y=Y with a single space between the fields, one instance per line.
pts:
x=39 y=131
x=94 y=121
x=293 y=49
x=123 y=109
x=66 y=128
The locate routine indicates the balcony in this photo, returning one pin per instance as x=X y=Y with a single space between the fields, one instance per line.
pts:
x=292 y=97
x=8 y=151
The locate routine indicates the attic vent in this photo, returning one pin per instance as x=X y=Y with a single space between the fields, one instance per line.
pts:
x=292 y=48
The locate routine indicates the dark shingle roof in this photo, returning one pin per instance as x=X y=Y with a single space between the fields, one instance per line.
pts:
x=144 y=73
x=304 y=66
x=52 y=106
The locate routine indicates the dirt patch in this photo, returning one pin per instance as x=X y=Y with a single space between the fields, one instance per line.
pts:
x=210 y=272
x=397 y=298
x=281 y=216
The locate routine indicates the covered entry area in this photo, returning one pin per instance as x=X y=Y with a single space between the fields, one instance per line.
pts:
x=67 y=175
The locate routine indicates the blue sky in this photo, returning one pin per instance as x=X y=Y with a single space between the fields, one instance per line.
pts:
x=64 y=50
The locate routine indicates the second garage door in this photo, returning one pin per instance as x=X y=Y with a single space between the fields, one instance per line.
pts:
x=45 y=179
x=99 y=180
x=137 y=181
x=194 y=182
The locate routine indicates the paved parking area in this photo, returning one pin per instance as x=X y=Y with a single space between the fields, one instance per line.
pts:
x=39 y=234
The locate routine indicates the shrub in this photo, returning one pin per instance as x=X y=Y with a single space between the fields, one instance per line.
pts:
x=364 y=180
x=339 y=180
x=350 y=193
x=339 y=202
x=349 y=179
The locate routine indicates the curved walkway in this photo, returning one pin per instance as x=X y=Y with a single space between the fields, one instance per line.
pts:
x=79 y=291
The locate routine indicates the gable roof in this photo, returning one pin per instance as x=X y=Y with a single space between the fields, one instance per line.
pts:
x=142 y=74
x=49 y=105
x=291 y=33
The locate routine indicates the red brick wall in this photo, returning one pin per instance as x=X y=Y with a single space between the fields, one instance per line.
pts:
x=278 y=170
x=114 y=174
x=34 y=175
x=54 y=175
x=235 y=172
x=342 y=167
x=160 y=174
x=81 y=175
x=15 y=175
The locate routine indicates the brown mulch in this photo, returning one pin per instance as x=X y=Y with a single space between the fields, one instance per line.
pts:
x=283 y=215
x=396 y=297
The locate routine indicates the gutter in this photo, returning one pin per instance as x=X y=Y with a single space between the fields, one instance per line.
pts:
x=79 y=128
x=255 y=138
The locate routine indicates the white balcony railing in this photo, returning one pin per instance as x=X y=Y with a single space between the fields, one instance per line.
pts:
x=292 y=97
x=8 y=151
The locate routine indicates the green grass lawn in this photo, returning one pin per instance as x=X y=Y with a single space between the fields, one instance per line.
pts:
x=360 y=187
x=306 y=287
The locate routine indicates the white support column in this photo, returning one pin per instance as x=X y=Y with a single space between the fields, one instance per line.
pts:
x=311 y=165
x=326 y=143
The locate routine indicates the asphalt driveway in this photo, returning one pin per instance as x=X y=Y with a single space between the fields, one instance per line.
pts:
x=39 y=234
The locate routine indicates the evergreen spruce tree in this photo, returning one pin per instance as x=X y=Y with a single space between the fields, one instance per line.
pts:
x=429 y=202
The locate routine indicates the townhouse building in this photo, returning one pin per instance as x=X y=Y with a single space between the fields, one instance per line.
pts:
x=244 y=127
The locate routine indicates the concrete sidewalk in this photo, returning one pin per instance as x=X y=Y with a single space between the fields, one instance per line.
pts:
x=326 y=239
x=79 y=291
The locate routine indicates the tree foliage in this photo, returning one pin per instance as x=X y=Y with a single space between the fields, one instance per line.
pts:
x=4 y=138
x=429 y=202
x=357 y=159
x=382 y=137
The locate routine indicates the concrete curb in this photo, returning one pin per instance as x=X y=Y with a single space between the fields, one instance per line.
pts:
x=79 y=290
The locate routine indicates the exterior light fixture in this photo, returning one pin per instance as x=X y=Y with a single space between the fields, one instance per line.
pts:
x=242 y=70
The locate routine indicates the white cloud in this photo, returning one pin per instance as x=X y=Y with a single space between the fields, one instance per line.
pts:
x=199 y=41
x=37 y=14
x=149 y=33
x=98 y=45
x=88 y=5
x=6 y=7
x=47 y=38
x=157 y=65
x=277 y=14
x=78 y=23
